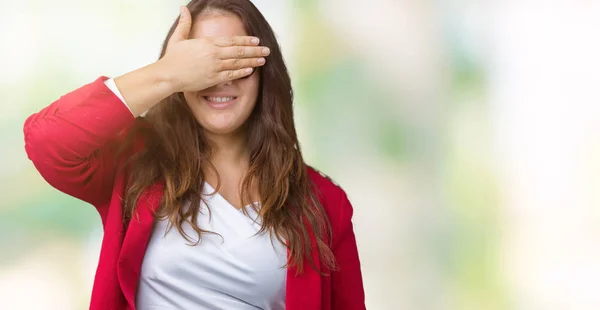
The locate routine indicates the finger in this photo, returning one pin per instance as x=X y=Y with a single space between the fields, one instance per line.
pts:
x=243 y=52
x=236 y=64
x=230 y=75
x=236 y=40
x=182 y=31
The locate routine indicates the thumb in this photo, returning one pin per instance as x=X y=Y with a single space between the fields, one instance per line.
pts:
x=184 y=26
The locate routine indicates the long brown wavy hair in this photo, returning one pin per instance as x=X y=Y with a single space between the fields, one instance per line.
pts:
x=176 y=152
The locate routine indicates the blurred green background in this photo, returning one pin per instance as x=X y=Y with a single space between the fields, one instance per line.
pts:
x=466 y=134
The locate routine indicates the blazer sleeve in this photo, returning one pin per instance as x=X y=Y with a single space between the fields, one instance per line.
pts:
x=347 y=285
x=73 y=141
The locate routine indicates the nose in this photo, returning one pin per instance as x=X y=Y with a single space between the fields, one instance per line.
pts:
x=227 y=83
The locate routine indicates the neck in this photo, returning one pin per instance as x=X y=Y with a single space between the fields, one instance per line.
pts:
x=230 y=149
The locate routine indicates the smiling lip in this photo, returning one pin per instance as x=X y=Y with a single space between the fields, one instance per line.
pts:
x=220 y=102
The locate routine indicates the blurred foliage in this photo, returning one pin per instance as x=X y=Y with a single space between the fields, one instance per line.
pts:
x=333 y=81
x=347 y=111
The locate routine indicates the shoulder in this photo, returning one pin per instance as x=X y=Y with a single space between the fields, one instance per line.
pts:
x=135 y=138
x=332 y=197
x=322 y=181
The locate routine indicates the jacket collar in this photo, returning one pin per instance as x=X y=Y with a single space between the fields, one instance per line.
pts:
x=303 y=291
x=135 y=242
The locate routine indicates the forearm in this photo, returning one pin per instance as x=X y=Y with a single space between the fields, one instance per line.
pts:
x=145 y=87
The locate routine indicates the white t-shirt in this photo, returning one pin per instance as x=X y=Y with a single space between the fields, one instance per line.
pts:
x=236 y=270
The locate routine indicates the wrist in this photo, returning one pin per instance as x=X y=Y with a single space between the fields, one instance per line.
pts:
x=165 y=78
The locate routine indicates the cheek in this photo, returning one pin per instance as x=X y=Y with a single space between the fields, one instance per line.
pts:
x=192 y=102
x=190 y=97
x=250 y=88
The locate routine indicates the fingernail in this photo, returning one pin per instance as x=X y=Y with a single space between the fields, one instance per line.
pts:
x=255 y=41
x=181 y=10
x=266 y=51
x=261 y=61
x=248 y=70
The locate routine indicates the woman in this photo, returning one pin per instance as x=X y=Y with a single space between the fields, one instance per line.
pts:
x=195 y=168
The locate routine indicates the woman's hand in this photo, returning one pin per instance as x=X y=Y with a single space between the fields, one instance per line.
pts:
x=197 y=64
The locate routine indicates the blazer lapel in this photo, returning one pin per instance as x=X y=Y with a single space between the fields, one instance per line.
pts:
x=303 y=291
x=135 y=242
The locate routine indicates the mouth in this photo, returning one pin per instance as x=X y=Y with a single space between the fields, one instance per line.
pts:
x=219 y=103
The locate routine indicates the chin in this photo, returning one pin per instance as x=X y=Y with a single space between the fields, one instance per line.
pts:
x=219 y=128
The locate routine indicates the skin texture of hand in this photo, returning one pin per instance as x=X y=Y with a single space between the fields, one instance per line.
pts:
x=190 y=65
x=197 y=64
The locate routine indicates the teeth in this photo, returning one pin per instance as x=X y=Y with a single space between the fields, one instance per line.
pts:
x=220 y=99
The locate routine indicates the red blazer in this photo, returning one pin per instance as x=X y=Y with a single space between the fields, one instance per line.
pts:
x=73 y=143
